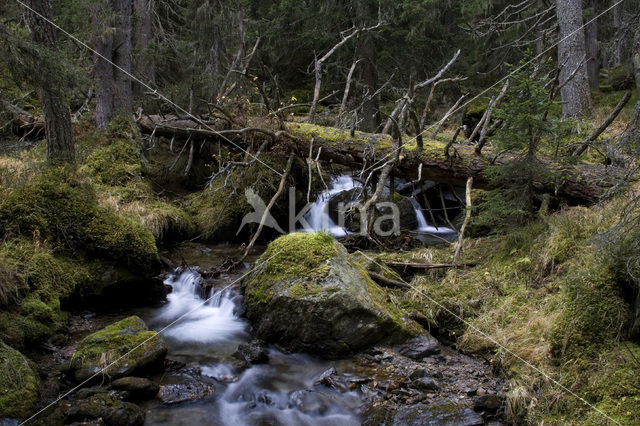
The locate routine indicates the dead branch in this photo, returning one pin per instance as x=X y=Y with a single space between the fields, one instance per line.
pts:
x=318 y=63
x=607 y=121
x=447 y=115
x=467 y=217
x=387 y=282
x=488 y=115
x=266 y=213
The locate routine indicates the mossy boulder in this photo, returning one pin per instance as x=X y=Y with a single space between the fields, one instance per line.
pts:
x=128 y=344
x=19 y=384
x=309 y=296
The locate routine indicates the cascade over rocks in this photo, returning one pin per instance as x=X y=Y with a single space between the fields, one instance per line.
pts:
x=309 y=296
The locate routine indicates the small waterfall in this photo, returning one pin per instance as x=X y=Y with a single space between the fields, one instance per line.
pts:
x=318 y=215
x=319 y=220
x=211 y=322
x=423 y=225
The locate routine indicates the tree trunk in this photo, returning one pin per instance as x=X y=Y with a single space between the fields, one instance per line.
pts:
x=576 y=97
x=591 y=45
x=618 y=41
x=143 y=65
x=366 y=50
x=122 y=95
x=55 y=108
x=636 y=57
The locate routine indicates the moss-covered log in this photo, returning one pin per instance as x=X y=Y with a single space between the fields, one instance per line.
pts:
x=573 y=184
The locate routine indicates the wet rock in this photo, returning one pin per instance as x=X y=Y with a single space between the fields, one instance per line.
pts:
x=139 y=388
x=420 y=347
x=106 y=407
x=188 y=387
x=416 y=374
x=441 y=413
x=489 y=403
x=19 y=384
x=309 y=402
x=130 y=339
x=252 y=352
x=351 y=219
x=425 y=384
x=311 y=297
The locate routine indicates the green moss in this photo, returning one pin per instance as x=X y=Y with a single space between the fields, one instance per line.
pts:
x=304 y=288
x=114 y=164
x=219 y=209
x=20 y=331
x=299 y=254
x=19 y=384
x=129 y=341
x=59 y=207
x=593 y=312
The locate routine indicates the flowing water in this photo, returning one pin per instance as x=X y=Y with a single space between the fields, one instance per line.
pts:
x=319 y=220
x=318 y=215
x=283 y=392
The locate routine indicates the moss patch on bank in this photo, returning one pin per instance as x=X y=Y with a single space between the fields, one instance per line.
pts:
x=547 y=295
x=19 y=384
x=118 y=170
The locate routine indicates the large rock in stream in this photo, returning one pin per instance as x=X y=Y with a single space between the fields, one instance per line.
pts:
x=309 y=296
x=118 y=350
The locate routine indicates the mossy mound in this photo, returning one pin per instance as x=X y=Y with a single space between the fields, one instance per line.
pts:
x=127 y=344
x=117 y=171
x=218 y=210
x=34 y=282
x=64 y=210
x=309 y=296
x=19 y=384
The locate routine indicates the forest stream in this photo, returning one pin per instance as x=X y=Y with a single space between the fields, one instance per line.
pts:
x=211 y=385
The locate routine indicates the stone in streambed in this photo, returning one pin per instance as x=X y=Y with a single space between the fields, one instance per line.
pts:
x=130 y=339
x=309 y=296
x=420 y=347
x=489 y=403
x=441 y=413
x=252 y=352
x=107 y=407
x=139 y=388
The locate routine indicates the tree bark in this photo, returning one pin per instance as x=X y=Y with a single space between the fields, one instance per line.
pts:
x=366 y=50
x=55 y=108
x=123 y=98
x=591 y=45
x=576 y=96
x=636 y=57
x=143 y=65
x=618 y=41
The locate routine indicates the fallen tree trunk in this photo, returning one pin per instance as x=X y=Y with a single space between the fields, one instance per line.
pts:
x=573 y=184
